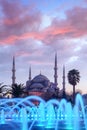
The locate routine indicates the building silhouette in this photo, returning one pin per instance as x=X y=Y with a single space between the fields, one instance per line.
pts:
x=13 y=71
x=40 y=85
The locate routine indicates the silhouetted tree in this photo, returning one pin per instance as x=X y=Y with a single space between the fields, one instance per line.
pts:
x=3 y=90
x=64 y=94
x=73 y=79
x=17 y=90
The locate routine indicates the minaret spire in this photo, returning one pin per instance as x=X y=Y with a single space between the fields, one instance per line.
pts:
x=63 y=81
x=13 y=71
x=30 y=73
x=55 y=70
x=40 y=72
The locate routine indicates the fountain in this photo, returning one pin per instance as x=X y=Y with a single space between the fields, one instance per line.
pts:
x=23 y=114
x=2 y=117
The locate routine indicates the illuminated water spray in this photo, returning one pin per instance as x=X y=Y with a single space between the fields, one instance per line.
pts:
x=2 y=117
x=24 y=119
x=23 y=114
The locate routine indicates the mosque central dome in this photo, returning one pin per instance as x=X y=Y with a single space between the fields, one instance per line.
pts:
x=39 y=83
x=40 y=78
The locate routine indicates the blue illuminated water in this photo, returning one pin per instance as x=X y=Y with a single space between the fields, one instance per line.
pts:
x=23 y=114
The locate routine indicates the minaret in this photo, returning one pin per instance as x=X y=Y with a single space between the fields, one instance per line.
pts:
x=30 y=73
x=40 y=72
x=13 y=71
x=63 y=81
x=55 y=70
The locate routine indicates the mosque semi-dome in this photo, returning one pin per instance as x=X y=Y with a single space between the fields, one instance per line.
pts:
x=36 y=85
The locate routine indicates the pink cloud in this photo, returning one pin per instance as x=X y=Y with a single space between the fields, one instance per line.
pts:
x=23 y=54
x=18 y=19
x=74 y=26
x=23 y=22
x=85 y=1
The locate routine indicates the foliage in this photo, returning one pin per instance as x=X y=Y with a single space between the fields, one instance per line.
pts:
x=17 y=90
x=73 y=79
x=3 y=89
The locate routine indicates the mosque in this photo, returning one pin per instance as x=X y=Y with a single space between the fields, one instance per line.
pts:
x=40 y=85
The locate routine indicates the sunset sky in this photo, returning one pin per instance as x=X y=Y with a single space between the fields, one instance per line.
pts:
x=33 y=30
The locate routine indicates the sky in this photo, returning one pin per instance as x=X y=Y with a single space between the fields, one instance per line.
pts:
x=33 y=30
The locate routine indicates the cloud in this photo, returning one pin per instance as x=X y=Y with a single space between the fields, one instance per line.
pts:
x=20 y=24
x=23 y=30
x=85 y=1
x=73 y=26
x=17 y=19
